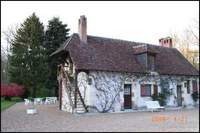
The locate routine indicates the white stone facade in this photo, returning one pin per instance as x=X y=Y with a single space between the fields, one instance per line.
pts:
x=65 y=106
x=104 y=91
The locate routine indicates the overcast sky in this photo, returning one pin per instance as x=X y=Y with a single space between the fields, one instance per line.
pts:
x=134 y=21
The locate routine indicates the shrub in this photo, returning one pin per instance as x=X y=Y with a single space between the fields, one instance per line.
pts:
x=11 y=90
x=154 y=97
x=195 y=96
x=160 y=97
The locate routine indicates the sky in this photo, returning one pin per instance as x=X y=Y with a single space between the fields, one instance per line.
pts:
x=134 y=21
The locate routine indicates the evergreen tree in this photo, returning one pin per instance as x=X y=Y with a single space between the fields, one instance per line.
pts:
x=55 y=35
x=27 y=65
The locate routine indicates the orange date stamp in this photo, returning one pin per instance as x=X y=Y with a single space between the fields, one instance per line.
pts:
x=181 y=119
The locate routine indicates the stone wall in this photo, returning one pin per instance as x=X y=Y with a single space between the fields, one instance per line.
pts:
x=103 y=91
x=65 y=99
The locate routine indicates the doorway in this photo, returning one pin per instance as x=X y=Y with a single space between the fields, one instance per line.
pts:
x=179 y=95
x=127 y=96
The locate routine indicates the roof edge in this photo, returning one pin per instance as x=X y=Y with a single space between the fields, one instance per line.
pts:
x=133 y=72
x=63 y=46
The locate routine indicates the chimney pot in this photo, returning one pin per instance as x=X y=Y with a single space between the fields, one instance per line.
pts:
x=166 y=42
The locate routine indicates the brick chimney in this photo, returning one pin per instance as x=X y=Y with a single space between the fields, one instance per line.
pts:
x=166 y=42
x=82 y=28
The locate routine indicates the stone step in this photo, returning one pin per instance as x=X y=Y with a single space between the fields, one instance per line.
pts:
x=80 y=110
x=78 y=100
x=79 y=103
x=80 y=107
x=74 y=96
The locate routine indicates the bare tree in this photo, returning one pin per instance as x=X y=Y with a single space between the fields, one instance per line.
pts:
x=8 y=37
x=10 y=33
x=4 y=62
x=194 y=31
x=188 y=43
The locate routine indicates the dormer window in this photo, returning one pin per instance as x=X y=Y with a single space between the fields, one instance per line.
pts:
x=150 y=62
x=147 y=60
x=145 y=56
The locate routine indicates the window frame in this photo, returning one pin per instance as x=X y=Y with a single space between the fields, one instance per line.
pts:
x=146 y=95
x=127 y=85
x=142 y=59
x=151 y=62
x=188 y=86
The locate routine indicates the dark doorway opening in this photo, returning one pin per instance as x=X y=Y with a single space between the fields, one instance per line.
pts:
x=179 y=95
x=127 y=96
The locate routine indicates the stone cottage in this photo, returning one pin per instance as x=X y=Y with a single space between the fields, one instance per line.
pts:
x=111 y=75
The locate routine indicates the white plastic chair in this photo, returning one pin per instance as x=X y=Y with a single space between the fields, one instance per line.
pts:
x=54 y=99
x=50 y=100
x=47 y=100
x=37 y=101
x=27 y=101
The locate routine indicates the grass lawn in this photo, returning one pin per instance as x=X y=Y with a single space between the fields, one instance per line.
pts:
x=6 y=104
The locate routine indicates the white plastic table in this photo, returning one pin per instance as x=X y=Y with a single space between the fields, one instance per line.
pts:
x=37 y=100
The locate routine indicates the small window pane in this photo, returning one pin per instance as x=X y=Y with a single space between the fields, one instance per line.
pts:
x=127 y=89
x=151 y=62
x=185 y=84
x=147 y=90
x=142 y=59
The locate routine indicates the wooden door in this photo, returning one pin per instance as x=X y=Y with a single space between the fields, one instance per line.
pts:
x=179 y=95
x=127 y=96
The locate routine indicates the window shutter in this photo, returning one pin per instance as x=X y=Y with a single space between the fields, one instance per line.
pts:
x=155 y=89
x=142 y=90
x=194 y=85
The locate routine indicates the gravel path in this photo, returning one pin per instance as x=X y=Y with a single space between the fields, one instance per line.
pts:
x=50 y=119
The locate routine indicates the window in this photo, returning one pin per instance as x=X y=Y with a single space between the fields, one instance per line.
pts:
x=170 y=41
x=188 y=86
x=147 y=60
x=142 y=59
x=151 y=62
x=127 y=89
x=89 y=81
x=145 y=90
x=185 y=84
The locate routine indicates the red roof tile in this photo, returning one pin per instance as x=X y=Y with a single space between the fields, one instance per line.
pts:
x=118 y=55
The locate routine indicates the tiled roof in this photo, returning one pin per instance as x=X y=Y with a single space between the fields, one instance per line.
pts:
x=118 y=55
